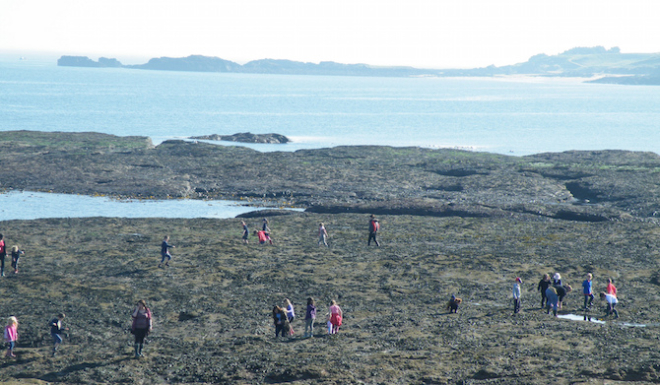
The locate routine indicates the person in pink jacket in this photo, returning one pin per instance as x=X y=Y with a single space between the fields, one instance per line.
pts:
x=11 y=335
x=336 y=316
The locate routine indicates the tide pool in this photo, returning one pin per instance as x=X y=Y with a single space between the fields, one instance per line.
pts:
x=35 y=205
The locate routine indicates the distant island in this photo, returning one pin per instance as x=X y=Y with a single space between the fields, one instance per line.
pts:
x=608 y=66
x=246 y=137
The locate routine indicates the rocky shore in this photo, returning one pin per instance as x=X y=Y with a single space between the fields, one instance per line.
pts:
x=583 y=186
x=453 y=222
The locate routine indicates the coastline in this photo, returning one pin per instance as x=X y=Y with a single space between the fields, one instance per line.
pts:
x=453 y=222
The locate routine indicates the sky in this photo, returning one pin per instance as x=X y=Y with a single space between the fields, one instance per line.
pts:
x=417 y=33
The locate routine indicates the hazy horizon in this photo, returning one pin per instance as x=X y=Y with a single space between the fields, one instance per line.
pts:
x=421 y=34
x=136 y=59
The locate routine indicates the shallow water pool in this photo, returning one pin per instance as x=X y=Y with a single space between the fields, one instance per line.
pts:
x=35 y=205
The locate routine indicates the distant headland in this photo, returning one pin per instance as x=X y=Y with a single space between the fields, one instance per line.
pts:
x=607 y=66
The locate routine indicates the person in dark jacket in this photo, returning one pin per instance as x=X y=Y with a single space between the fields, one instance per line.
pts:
x=56 y=331
x=165 y=252
x=142 y=325
x=542 y=287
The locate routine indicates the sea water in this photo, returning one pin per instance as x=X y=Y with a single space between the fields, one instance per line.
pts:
x=517 y=116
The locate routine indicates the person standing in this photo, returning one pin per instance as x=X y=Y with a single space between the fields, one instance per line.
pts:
x=517 y=295
x=336 y=316
x=542 y=287
x=374 y=226
x=610 y=289
x=142 y=325
x=11 y=335
x=323 y=235
x=246 y=232
x=56 y=331
x=310 y=317
x=15 y=255
x=165 y=252
x=290 y=313
x=3 y=254
x=587 y=290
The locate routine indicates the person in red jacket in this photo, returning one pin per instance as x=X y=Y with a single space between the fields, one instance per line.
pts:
x=374 y=226
x=610 y=289
x=3 y=254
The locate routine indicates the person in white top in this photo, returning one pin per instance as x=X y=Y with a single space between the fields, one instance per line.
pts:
x=323 y=235
x=516 y=295
x=611 y=303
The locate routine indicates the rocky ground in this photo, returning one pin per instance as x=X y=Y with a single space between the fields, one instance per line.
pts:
x=212 y=307
x=583 y=186
x=480 y=220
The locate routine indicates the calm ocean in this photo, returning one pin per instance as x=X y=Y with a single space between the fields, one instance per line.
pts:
x=513 y=116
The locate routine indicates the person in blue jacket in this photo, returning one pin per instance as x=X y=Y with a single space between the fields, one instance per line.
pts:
x=587 y=290
x=165 y=252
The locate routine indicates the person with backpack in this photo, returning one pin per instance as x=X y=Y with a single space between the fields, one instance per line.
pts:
x=374 y=226
x=142 y=325
x=56 y=331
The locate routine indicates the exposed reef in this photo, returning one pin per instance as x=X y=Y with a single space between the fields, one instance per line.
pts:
x=575 y=185
x=246 y=137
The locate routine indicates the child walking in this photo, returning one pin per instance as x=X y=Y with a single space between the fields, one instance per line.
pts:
x=15 y=255
x=165 y=252
x=336 y=316
x=56 y=331
x=516 y=295
x=587 y=289
x=11 y=335
x=290 y=313
x=310 y=317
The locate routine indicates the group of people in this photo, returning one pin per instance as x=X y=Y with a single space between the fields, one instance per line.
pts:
x=11 y=333
x=553 y=293
x=140 y=328
x=15 y=256
x=283 y=318
x=264 y=235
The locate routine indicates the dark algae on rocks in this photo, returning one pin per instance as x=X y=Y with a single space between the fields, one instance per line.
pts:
x=586 y=186
x=212 y=307
x=452 y=223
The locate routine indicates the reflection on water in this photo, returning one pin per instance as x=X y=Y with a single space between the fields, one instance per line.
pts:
x=574 y=317
x=35 y=205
